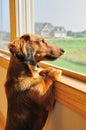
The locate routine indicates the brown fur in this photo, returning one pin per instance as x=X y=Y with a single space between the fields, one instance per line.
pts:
x=30 y=90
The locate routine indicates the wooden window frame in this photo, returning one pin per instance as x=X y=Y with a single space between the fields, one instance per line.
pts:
x=20 y=24
x=71 y=91
x=12 y=19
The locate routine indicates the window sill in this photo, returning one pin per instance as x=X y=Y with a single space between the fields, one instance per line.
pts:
x=71 y=91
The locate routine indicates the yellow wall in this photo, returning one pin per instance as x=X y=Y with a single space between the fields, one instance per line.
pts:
x=61 y=117
x=3 y=103
x=3 y=106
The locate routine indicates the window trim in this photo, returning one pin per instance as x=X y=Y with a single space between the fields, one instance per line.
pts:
x=24 y=22
x=70 y=73
x=12 y=19
x=18 y=28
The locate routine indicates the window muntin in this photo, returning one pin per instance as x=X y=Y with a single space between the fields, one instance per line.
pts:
x=4 y=24
x=62 y=23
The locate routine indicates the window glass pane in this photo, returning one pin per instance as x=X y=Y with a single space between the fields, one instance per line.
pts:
x=4 y=24
x=63 y=23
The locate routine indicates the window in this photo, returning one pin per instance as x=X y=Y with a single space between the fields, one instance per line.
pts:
x=63 y=23
x=16 y=18
x=22 y=18
x=4 y=24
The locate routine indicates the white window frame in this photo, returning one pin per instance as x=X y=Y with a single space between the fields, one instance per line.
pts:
x=24 y=16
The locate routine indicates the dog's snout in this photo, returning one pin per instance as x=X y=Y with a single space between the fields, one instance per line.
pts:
x=62 y=51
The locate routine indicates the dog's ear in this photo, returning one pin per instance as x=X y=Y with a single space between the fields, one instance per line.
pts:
x=29 y=58
x=22 y=49
x=12 y=47
x=26 y=37
x=17 y=47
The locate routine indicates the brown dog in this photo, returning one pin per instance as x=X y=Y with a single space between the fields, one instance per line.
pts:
x=29 y=90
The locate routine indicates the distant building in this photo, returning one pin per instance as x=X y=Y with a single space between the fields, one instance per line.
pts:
x=43 y=29
x=59 y=32
x=48 y=30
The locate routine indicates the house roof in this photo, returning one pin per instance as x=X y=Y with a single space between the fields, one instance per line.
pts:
x=59 y=29
x=41 y=26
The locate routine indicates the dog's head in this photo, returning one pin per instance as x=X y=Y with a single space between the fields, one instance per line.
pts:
x=33 y=48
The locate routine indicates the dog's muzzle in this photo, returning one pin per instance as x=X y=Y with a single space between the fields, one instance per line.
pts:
x=61 y=51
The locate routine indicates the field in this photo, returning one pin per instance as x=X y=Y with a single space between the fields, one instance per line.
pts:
x=74 y=57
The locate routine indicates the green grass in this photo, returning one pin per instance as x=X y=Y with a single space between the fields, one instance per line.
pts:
x=74 y=57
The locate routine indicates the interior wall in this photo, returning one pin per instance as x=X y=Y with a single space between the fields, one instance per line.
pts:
x=61 y=118
x=3 y=101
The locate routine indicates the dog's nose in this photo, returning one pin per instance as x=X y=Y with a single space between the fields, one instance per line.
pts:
x=62 y=51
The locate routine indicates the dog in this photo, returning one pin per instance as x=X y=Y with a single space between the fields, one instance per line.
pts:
x=29 y=89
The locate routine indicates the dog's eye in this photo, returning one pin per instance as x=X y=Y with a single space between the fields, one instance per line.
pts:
x=42 y=42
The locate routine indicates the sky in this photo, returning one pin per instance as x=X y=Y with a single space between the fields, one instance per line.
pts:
x=68 y=13
x=4 y=15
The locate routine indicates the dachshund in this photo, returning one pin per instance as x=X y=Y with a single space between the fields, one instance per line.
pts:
x=29 y=88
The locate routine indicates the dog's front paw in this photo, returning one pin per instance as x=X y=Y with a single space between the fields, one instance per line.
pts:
x=54 y=74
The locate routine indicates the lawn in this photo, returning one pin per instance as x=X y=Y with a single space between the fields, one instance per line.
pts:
x=74 y=57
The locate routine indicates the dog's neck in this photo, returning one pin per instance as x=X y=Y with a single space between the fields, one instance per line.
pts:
x=20 y=57
x=16 y=67
x=29 y=58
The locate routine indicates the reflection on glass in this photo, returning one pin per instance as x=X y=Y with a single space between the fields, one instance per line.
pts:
x=63 y=23
x=4 y=24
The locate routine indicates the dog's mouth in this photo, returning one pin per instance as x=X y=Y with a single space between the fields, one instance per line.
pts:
x=46 y=58
x=49 y=57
